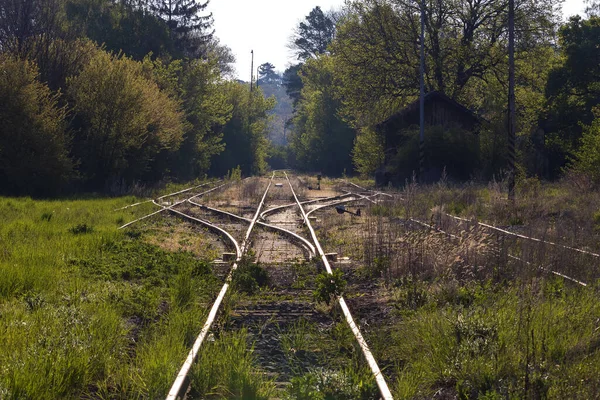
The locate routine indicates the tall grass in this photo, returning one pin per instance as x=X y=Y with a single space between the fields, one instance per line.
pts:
x=226 y=369
x=89 y=311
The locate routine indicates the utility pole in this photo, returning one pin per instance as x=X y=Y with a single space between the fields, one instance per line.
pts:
x=251 y=70
x=512 y=123
x=422 y=99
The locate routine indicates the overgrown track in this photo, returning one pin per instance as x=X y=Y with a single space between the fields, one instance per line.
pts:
x=379 y=378
x=513 y=257
x=280 y=227
x=177 y=389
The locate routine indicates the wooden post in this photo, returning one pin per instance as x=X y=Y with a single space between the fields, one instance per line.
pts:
x=512 y=125
x=422 y=97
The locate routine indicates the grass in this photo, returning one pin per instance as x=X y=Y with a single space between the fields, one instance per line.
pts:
x=525 y=340
x=466 y=320
x=226 y=370
x=89 y=311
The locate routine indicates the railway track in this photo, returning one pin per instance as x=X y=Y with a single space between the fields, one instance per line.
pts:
x=513 y=257
x=379 y=378
x=273 y=230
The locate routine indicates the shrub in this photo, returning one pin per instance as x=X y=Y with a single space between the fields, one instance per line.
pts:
x=329 y=287
x=587 y=158
x=249 y=277
x=123 y=120
x=33 y=141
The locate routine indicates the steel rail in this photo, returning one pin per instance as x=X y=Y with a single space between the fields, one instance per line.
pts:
x=492 y=227
x=510 y=255
x=337 y=203
x=162 y=197
x=379 y=378
x=547 y=270
x=368 y=190
x=178 y=385
x=311 y=249
x=220 y=231
x=170 y=207
x=279 y=208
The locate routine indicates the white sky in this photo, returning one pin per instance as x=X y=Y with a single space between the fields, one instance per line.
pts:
x=265 y=26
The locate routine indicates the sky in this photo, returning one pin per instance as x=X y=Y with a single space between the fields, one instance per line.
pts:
x=266 y=26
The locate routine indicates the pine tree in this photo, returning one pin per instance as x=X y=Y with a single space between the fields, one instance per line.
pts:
x=267 y=74
x=190 y=29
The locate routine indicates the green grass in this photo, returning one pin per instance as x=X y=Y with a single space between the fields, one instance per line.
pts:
x=90 y=311
x=226 y=369
x=530 y=340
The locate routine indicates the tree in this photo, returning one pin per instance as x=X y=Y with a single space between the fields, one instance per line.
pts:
x=377 y=49
x=122 y=121
x=267 y=74
x=321 y=140
x=188 y=27
x=313 y=35
x=29 y=24
x=573 y=89
x=587 y=157
x=121 y=27
x=293 y=82
x=245 y=134
x=593 y=8
x=34 y=156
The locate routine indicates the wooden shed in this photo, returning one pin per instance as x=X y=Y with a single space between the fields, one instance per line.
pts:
x=447 y=117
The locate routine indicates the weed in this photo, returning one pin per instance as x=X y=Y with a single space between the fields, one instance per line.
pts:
x=297 y=338
x=46 y=216
x=249 y=276
x=226 y=368
x=329 y=287
x=322 y=384
x=81 y=229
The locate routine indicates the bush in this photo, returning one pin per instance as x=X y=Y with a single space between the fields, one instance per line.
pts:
x=587 y=158
x=33 y=141
x=329 y=287
x=123 y=120
x=249 y=277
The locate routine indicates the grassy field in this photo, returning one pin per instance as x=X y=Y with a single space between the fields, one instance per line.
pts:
x=87 y=311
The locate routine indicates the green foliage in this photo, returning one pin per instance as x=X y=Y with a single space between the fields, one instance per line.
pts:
x=188 y=28
x=198 y=84
x=249 y=277
x=368 y=154
x=84 y=329
x=123 y=120
x=324 y=384
x=120 y=27
x=313 y=35
x=267 y=74
x=329 y=287
x=235 y=174
x=321 y=140
x=34 y=145
x=246 y=132
x=573 y=89
x=226 y=368
x=587 y=157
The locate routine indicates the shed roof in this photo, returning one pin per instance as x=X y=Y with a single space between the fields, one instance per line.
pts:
x=414 y=107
